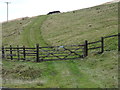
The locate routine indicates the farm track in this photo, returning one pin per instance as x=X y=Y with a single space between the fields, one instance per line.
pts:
x=71 y=72
x=32 y=34
x=91 y=72
x=67 y=73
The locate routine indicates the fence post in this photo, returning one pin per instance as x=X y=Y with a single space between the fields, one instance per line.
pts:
x=24 y=54
x=118 y=42
x=18 y=52
x=11 y=56
x=86 y=48
x=37 y=52
x=3 y=52
x=102 y=44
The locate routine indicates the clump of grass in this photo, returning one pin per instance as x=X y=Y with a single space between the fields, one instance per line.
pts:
x=21 y=72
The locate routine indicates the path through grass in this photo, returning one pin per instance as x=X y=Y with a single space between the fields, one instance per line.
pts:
x=62 y=29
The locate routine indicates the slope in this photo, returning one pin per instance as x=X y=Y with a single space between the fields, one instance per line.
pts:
x=25 y=31
x=96 y=71
x=77 y=26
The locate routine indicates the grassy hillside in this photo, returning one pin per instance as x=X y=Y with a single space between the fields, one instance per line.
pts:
x=25 y=31
x=86 y=24
x=95 y=71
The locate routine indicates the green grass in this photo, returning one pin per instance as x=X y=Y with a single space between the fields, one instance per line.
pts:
x=74 y=28
x=32 y=33
x=94 y=71
x=99 y=71
x=28 y=33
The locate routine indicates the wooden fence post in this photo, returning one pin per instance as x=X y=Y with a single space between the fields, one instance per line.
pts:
x=118 y=42
x=11 y=56
x=102 y=44
x=18 y=52
x=3 y=52
x=24 y=54
x=37 y=52
x=86 y=48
